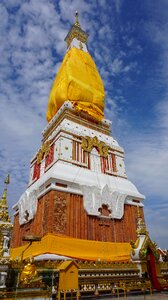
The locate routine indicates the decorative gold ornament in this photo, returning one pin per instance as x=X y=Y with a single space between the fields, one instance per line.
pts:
x=77 y=19
x=148 y=244
x=28 y=274
x=141 y=227
x=3 y=199
x=76 y=32
x=5 y=227
x=4 y=216
x=134 y=245
x=7 y=179
x=44 y=151
x=1 y=244
x=88 y=143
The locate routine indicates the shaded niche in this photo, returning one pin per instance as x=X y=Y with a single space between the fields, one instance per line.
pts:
x=104 y=210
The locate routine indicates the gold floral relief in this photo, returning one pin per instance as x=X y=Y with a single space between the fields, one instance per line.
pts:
x=1 y=244
x=44 y=151
x=89 y=143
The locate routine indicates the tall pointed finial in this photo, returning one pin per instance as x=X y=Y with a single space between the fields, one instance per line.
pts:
x=5 y=224
x=3 y=201
x=7 y=179
x=76 y=33
x=4 y=216
x=77 y=19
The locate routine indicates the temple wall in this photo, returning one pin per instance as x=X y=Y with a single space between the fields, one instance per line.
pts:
x=63 y=213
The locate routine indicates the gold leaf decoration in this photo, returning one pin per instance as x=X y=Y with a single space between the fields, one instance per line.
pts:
x=44 y=151
x=89 y=143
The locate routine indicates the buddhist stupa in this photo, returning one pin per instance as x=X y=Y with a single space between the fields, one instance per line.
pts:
x=79 y=199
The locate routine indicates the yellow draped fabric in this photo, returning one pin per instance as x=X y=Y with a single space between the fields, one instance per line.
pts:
x=78 y=81
x=75 y=248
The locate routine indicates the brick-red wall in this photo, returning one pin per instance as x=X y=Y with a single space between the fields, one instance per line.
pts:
x=63 y=213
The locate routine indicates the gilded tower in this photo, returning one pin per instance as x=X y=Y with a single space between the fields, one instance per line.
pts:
x=5 y=236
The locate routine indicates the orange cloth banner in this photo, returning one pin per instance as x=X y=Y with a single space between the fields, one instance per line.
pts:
x=75 y=248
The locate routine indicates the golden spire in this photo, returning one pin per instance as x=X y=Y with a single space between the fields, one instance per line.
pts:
x=77 y=19
x=4 y=216
x=76 y=32
x=3 y=201
x=7 y=179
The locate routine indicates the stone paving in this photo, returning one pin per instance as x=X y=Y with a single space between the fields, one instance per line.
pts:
x=154 y=296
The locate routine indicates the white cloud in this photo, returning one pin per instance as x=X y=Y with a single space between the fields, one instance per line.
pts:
x=162 y=109
x=116 y=66
x=106 y=31
x=147 y=167
x=118 y=4
x=147 y=160
x=156 y=218
x=27 y=70
x=3 y=18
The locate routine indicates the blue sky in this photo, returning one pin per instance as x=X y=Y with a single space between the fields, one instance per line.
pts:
x=129 y=43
